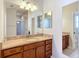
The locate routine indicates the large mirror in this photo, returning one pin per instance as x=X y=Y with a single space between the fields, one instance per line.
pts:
x=26 y=18
x=70 y=41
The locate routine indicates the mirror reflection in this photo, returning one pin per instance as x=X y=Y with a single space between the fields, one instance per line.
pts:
x=26 y=19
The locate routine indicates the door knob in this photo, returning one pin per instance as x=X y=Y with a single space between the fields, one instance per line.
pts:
x=74 y=32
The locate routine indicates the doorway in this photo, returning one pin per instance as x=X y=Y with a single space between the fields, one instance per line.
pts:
x=20 y=27
x=71 y=27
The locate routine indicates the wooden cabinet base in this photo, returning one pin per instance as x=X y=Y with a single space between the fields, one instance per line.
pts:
x=41 y=49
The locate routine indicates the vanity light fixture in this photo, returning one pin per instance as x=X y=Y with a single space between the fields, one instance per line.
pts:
x=28 y=6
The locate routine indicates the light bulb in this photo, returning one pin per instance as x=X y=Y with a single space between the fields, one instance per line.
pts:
x=33 y=8
x=49 y=13
x=27 y=8
x=23 y=3
x=29 y=5
x=22 y=7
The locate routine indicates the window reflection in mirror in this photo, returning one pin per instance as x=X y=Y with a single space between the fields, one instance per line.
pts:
x=47 y=22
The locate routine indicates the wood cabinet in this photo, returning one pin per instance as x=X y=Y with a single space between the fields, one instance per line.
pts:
x=42 y=49
x=65 y=42
x=40 y=52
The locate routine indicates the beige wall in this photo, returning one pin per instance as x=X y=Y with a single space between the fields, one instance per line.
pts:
x=68 y=17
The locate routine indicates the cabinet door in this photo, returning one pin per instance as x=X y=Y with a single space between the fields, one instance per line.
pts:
x=67 y=41
x=19 y=55
x=64 y=45
x=29 y=53
x=40 y=52
x=0 y=53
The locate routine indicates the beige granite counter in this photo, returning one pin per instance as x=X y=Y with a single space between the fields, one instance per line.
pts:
x=27 y=40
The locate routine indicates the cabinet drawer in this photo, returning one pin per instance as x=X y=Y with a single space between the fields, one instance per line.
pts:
x=19 y=55
x=30 y=46
x=12 y=51
x=48 y=47
x=49 y=41
x=40 y=43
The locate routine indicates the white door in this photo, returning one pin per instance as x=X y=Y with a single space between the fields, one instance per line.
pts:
x=76 y=29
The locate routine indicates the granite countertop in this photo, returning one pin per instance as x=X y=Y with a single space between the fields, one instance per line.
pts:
x=22 y=41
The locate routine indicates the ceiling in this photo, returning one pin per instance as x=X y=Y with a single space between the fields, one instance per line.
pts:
x=15 y=3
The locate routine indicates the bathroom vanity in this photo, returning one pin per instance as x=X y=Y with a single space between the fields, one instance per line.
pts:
x=34 y=47
x=65 y=41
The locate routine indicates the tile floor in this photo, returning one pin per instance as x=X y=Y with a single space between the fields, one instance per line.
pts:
x=72 y=53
